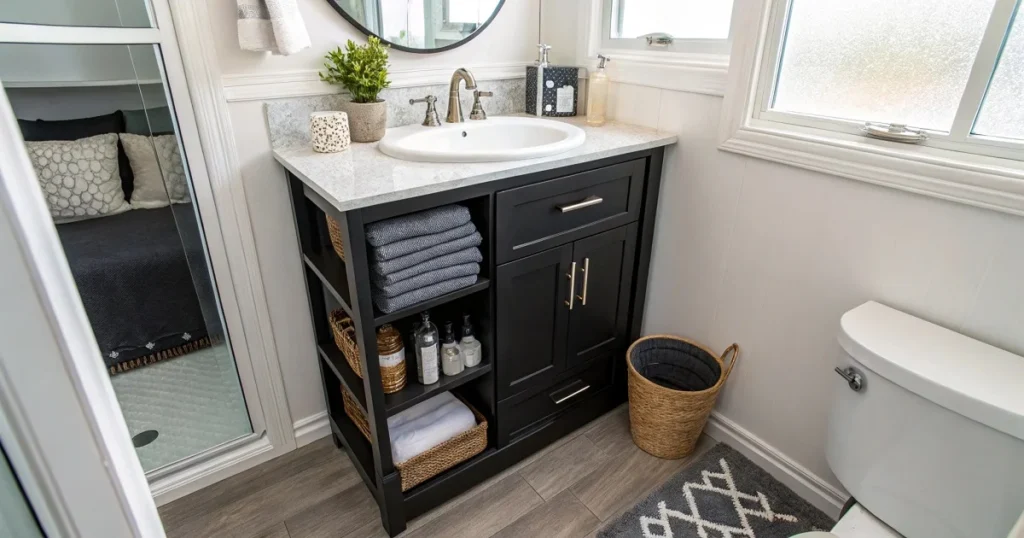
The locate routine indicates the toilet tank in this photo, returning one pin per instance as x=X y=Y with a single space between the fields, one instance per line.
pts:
x=933 y=443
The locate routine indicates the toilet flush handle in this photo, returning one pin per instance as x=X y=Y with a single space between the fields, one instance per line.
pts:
x=852 y=377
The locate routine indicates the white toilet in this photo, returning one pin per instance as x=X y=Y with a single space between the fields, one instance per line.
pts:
x=932 y=443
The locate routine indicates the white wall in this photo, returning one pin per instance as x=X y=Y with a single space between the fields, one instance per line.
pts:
x=770 y=256
x=509 y=38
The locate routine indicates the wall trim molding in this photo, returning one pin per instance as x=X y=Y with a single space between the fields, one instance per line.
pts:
x=306 y=82
x=811 y=487
x=311 y=428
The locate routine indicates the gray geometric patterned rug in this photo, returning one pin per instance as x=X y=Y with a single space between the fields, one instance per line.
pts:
x=721 y=495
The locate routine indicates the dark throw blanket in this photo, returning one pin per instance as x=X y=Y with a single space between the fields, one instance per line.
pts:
x=136 y=286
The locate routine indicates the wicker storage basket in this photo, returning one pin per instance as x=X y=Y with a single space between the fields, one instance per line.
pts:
x=334 y=230
x=673 y=384
x=433 y=462
x=393 y=378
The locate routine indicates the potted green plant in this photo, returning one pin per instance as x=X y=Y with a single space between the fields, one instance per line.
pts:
x=363 y=71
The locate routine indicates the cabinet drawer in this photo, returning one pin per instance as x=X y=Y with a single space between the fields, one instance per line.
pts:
x=518 y=414
x=543 y=215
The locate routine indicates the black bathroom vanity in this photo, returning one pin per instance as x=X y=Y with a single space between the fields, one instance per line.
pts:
x=560 y=296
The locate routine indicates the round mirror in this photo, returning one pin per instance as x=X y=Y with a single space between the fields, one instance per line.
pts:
x=420 y=25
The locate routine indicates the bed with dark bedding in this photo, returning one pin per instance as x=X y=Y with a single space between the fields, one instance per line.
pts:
x=134 y=280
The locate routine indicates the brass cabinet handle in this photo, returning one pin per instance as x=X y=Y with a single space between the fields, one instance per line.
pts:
x=577 y=393
x=572 y=285
x=587 y=202
x=586 y=278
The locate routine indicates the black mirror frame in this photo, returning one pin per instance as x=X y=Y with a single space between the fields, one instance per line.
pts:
x=367 y=32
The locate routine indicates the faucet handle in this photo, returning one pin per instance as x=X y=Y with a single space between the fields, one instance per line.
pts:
x=432 y=119
x=478 y=110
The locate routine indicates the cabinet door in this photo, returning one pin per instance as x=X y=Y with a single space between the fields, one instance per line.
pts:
x=604 y=281
x=532 y=318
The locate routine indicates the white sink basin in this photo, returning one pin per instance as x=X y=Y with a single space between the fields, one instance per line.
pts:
x=493 y=139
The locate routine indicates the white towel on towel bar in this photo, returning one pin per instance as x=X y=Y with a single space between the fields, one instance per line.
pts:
x=271 y=26
x=416 y=436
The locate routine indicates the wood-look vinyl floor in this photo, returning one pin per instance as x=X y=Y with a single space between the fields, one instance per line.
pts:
x=571 y=489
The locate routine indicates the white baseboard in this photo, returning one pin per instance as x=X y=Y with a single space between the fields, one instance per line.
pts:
x=311 y=428
x=811 y=487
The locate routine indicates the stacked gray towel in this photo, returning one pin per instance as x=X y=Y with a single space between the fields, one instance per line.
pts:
x=414 y=258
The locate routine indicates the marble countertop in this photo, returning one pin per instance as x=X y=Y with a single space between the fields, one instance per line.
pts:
x=362 y=176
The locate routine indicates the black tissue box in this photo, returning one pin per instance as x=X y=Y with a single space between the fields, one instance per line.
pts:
x=560 y=90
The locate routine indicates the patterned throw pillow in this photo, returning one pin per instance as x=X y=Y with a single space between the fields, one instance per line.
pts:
x=79 y=178
x=169 y=155
x=159 y=171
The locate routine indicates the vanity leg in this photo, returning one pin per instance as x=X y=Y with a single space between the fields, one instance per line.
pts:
x=392 y=512
x=337 y=442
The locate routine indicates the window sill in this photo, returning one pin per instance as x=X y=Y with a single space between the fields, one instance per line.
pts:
x=696 y=73
x=979 y=181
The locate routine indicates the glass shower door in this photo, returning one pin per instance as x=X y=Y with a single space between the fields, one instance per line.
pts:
x=100 y=129
x=16 y=515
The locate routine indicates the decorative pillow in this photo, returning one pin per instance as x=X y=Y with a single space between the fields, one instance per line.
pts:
x=169 y=155
x=46 y=130
x=159 y=172
x=79 y=178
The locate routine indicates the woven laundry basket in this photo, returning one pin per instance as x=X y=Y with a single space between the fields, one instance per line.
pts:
x=673 y=385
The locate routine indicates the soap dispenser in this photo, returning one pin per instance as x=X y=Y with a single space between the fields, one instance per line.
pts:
x=597 y=94
x=551 y=90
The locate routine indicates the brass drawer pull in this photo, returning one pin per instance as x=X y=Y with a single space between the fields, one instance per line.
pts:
x=577 y=393
x=589 y=201
x=586 y=278
x=572 y=285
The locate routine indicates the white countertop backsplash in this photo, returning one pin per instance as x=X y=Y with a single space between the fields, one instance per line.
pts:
x=362 y=176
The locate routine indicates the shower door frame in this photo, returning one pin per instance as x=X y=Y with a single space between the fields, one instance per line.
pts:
x=193 y=82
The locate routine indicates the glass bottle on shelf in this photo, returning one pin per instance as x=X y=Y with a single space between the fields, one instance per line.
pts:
x=427 y=351
x=471 y=348
x=451 y=358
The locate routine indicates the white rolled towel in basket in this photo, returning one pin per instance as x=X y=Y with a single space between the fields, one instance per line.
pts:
x=428 y=424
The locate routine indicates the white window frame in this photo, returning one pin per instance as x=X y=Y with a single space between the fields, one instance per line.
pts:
x=971 y=169
x=691 y=65
x=680 y=45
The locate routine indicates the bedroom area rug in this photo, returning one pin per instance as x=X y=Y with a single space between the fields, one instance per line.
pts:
x=721 y=495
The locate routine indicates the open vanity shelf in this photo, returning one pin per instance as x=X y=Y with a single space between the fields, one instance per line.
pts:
x=559 y=297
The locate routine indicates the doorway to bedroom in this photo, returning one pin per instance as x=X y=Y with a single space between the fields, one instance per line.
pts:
x=88 y=83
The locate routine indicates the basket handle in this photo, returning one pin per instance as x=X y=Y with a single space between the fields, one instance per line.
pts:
x=734 y=349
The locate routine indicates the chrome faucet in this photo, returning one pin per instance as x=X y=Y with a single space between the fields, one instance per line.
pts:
x=454 y=106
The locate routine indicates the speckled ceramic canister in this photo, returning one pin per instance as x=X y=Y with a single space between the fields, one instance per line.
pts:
x=368 y=121
x=329 y=131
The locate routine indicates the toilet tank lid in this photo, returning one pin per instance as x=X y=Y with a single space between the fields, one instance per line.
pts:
x=972 y=378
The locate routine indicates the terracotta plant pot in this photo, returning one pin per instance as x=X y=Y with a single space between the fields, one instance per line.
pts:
x=367 y=121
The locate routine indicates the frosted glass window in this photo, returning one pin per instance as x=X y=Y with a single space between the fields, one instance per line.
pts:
x=1002 y=114
x=904 y=61
x=684 y=19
